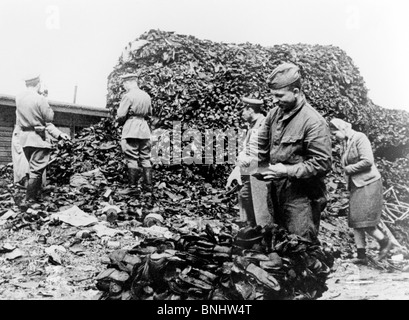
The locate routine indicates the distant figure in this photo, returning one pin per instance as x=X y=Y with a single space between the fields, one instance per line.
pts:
x=133 y=111
x=365 y=186
x=34 y=116
x=250 y=110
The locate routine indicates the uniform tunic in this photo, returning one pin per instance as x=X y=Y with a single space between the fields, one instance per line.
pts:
x=300 y=140
x=249 y=152
x=135 y=140
x=33 y=110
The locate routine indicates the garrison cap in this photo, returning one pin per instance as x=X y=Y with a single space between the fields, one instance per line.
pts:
x=128 y=76
x=250 y=101
x=284 y=75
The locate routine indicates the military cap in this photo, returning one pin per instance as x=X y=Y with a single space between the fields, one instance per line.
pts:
x=250 y=101
x=284 y=75
x=32 y=77
x=128 y=76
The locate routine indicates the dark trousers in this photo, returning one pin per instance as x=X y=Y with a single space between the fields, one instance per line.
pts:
x=137 y=151
x=296 y=209
x=246 y=201
x=38 y=159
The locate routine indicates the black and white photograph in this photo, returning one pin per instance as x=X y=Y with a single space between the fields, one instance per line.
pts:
x=185 y=152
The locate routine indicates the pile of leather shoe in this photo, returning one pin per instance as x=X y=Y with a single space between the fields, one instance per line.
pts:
x=218 y=267
x=200 y=81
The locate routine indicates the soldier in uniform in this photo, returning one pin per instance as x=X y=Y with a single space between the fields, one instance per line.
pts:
x=134 y=110
x=34 y=116
x=295 y=139
x=251 y=112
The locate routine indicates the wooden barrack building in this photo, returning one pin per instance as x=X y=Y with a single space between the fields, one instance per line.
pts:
x=68 y=117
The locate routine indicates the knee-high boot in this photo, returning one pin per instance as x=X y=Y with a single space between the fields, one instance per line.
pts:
x=33 y=188
x=147 y=178
x=134 y=175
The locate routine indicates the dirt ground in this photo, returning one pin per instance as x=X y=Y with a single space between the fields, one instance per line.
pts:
x=351 y=282
x=31 y=273
x=34 y=275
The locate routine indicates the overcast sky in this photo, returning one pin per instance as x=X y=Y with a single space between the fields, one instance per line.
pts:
x=73 y=42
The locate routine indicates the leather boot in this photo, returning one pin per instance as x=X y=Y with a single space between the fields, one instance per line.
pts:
x=361 y=258
x=134 y=175
x=147 y=178
x=385 y=246
x=33 y=189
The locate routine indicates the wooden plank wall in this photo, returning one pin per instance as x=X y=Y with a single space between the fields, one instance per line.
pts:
x=5 y=144
x=7 y=115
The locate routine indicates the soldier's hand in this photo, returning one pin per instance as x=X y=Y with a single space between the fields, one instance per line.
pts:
x=275 y=171
x=65 y=136
x=234 y=175
x=154 y=122
x=243 y=161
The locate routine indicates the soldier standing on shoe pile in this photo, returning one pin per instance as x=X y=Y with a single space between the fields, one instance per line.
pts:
x=134 y=109
x=251 y=112
x=295 y=140
x=20 y=164
x=34 y=116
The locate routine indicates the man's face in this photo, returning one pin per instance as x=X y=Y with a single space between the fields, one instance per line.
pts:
x=284 y=98
x=130 y=83
x=246 y=113
x=40 y=87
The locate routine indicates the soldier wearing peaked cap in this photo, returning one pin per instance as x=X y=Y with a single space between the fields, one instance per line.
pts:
x=128 y=76
x=133 y=111
x=250 y=102
x=33 y=117
x=295 y=140
x=251 y=112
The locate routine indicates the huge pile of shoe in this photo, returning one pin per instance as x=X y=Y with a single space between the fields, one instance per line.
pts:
x=199 y=83
x=209 y=266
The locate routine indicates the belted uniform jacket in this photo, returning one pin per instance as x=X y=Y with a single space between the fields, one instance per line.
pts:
x=299 y=139
x=134 y=107
x=33 y=110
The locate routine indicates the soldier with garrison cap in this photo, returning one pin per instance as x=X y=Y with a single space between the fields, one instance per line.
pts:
x=34 y=116
x=133 y=111
x=251 y=112
x=295 y=140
